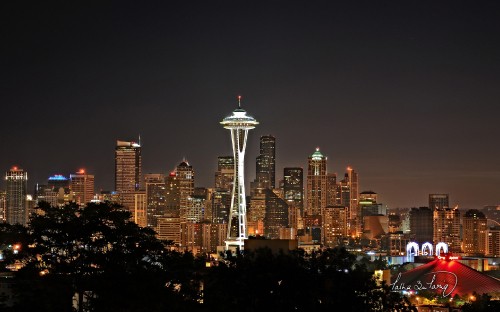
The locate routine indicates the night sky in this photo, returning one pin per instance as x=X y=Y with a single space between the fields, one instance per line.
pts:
x=405 y=92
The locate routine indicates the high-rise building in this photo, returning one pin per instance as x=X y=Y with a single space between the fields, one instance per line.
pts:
x=224 y=176
x=16 y=180
x=58 y=181
x=82 y=187
x=316 y=191
x=354 y=208
x=196 y=209
x=276 y=215
x=421 y=225
x=334 y=225
x=155 y=197
x=475 y=233
x=266 y=162
x=332 y=189
x=3 y=205
x=221 y=204
x=140 y=208
x=447 y=228
x=439 y=201
x=172 y=195
x=493 y=246
x=293 y=187
x=349 y=197
x=238 y=123
x=128 y=172
x=185 y=174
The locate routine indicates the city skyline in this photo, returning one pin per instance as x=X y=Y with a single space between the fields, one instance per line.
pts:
x=406 y=94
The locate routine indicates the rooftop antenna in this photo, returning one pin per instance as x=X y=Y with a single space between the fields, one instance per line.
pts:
x=239 y=101
x=139 y=139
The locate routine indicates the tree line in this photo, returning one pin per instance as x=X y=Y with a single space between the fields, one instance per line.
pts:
x=94 y=258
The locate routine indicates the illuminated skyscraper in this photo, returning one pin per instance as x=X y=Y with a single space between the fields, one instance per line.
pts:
x=155 y=197
x=349 y=194
x=16 y=184
x=224 y=176
x=316 y=184
x=238 y=123
x=447 y=227
x=82 y=187
x=475 y=231
x=185 y=174
x=266 y=162
x=276 y=215
x=293 y=187
x=421 y=225
x=439 y=201
x=128 y=172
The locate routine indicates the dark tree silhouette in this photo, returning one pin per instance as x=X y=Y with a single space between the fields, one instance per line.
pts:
x=99 y=257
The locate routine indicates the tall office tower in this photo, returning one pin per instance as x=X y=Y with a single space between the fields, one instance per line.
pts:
x=394 y=222
x=221 y=204
x=475 y=233
x=368 y=196
x=266 y=162
x=316 y=191
x=493 y=246
x=238 y=123
x=58 y=186
x=421 y=225
x=172 y=195
x=58 y=181
x=256 y=213
x=185 y=174
x=82 y=187
x=155 y=197
x=349 y=195
x=331 y=189
x=44 y=193
x=224 y=176
x=140 y=208
x=169 y=228
x=3 y=205
x=354 y=208
x=16 y=184
x=276 y=215
x=368 y=206
x=334 y=225
x=128 y=172
x=447 y=228
x=293 y=187
x=196 y=209
x=439 y=201
x=345 y=193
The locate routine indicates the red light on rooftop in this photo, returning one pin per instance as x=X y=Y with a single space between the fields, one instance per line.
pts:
x=14 y=168
x=82 y=171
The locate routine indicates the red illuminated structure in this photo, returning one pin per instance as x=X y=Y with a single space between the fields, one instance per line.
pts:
x=446 y=277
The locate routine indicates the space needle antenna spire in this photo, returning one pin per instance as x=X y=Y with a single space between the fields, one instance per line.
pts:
x=239 y=101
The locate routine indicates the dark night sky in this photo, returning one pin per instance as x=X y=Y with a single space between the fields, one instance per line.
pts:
x=405 y=92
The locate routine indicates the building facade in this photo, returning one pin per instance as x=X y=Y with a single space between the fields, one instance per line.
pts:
x=128 y=172
x=316 y=190
x=475 y=233
x=266 y=162
x=82 y=187
x=293 y=188
x=16 y=180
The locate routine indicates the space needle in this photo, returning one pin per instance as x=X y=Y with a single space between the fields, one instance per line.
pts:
x=238 y=123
